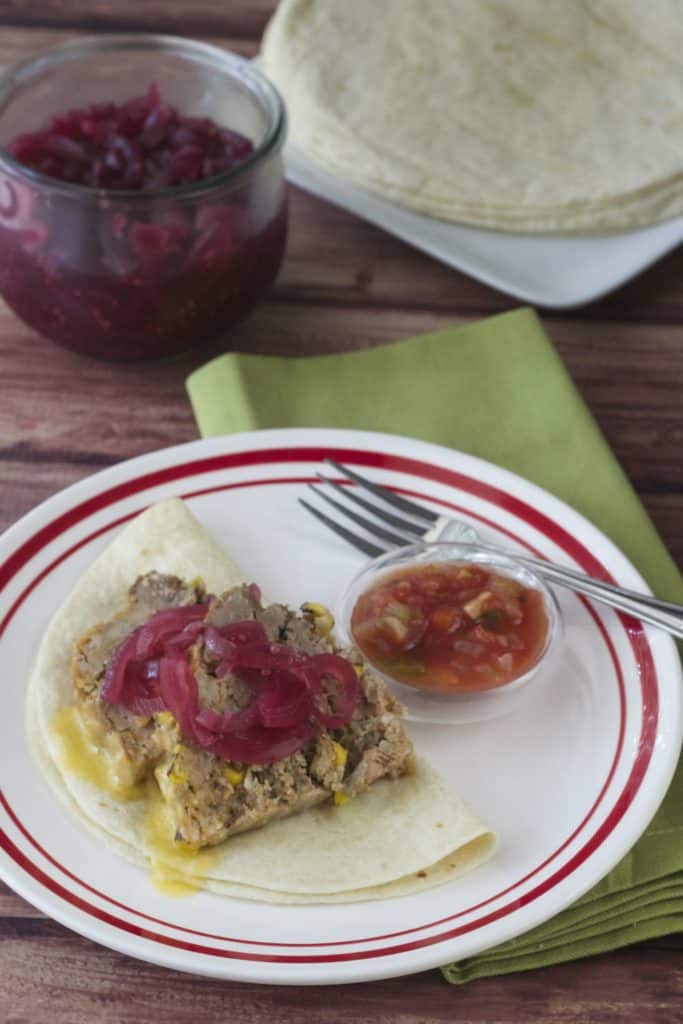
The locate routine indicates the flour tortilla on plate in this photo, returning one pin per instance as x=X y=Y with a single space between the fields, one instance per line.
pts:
x=520 y=115
x=371 y=848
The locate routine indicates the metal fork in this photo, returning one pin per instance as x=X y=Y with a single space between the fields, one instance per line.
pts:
x=416 y=523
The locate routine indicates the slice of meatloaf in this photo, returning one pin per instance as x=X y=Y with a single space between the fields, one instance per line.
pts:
x=133 y=743
x=209 y=799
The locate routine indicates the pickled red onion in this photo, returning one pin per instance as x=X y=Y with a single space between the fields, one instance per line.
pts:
x=172 y=622
x=344 y=696
x=141 y=691
x=285 y=703
x=145 y=642
x=261 y=745
x=295 y=695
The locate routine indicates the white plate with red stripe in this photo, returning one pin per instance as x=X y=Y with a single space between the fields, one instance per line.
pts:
x=568 y=781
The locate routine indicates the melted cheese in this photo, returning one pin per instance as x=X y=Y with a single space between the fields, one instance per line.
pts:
x=87 y=755
x=176 y=869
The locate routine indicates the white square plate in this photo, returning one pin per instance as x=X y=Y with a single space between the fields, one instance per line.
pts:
x=553 y=271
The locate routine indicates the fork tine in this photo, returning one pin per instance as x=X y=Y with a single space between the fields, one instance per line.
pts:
x=387 y=517
x=366 y=546
x=374 y=528
x=385 y=494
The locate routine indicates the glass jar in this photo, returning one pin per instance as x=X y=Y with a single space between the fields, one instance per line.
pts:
x=133 y=274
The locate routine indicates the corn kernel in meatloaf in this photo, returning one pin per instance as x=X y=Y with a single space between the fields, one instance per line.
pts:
x=207 y=798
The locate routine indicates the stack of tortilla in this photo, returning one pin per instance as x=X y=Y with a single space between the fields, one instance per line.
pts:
x=520 y=115
x=402 y=836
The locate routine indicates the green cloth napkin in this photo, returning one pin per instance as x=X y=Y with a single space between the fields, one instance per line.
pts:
x=497 y=389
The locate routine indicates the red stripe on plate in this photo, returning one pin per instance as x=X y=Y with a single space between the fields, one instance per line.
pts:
x=215 y=463
x=533 y=517
x=372 y=938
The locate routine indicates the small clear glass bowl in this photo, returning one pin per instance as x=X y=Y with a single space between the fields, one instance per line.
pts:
x=459 y=708
x=141 y=274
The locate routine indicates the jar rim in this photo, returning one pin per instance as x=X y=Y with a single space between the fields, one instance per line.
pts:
x=258 y=85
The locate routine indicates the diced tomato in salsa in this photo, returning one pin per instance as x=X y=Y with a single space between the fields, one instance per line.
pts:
x=450 y=628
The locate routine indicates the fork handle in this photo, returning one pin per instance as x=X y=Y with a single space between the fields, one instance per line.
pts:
x=664 y=614
x=649 y=609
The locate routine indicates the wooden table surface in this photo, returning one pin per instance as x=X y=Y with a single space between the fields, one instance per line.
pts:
x=343 y=285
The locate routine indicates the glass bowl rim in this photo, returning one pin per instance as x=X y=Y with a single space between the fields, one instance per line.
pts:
x=75 y=49
x=456 y=551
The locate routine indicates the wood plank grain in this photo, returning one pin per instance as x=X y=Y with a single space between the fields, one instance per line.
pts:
x=12 y=906
x=344 y=285
x=73 y=982
x=633 y=369
x=336 y=257
x=204 y=17
x=18 y=44
x=79 y=980
x=631 y=376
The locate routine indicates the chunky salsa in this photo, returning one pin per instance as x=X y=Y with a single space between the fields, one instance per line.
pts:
x=450 y=628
